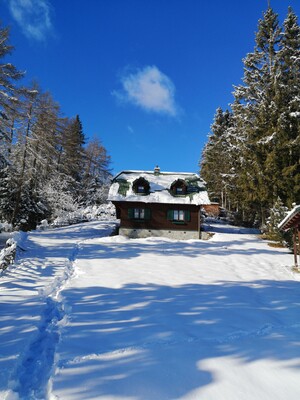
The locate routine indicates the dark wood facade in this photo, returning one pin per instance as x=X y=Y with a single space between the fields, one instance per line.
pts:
x=158 y=216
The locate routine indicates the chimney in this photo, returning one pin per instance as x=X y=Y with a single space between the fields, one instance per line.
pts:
x=156 y=170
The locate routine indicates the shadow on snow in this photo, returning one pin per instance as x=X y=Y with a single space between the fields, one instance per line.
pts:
x=149 y=341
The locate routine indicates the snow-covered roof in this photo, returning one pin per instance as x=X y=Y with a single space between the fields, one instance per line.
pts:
x=291 y=218
x=159 y=187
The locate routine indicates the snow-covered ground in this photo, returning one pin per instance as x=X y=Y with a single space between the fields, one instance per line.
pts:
x=84 y=316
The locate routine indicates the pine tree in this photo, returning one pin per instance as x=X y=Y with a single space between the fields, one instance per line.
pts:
x=215 y=164
x=256 y=114
x=287 y=146
x=262 y=143
x=73 y=152
x=277 y=213
x=44 y=167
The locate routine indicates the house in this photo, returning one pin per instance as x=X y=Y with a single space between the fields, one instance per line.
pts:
x=155 y=203
x=292 y=221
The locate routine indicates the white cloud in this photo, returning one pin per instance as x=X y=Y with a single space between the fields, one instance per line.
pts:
x=33 y=16
x=149 y=89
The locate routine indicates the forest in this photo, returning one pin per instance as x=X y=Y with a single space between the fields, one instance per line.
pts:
x=251 y=161
x=47 y=164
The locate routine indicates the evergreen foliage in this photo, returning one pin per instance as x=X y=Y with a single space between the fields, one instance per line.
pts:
x=254 y=156
x=277 y=213
x=45 y=165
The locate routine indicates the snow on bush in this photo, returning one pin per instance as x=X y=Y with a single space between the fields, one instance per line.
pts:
x=9 y=252
x=5 y=227
x=7 y=255
x=104 y=212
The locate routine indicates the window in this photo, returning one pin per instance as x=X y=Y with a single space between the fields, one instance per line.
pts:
x=179 y=216
x=141 y=186
x=139 y=213
x=141 y=189
x=178 y=188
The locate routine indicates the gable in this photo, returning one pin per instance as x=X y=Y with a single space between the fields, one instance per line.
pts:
x=292 y=219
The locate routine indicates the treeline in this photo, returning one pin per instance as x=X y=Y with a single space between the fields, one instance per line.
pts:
x=46 y=164
x=252 y=157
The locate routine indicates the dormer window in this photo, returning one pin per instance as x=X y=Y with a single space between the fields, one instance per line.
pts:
x=141 y=189
x=141 y=186
x=178 y=188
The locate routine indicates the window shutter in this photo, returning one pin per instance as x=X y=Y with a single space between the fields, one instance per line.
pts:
x=147 y=213
x=130 y=213
x=170 y=215
x=187 y=215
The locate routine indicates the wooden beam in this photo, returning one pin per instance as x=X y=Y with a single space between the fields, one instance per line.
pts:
x=298 y=241
x=295 y=246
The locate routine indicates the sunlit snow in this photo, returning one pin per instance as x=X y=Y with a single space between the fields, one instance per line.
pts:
x=84 y=316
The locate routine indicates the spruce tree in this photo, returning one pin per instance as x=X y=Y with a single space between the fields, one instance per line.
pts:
x=262 y=143
x=256 y=113
x=287 y=146
x=215 y=165
x=277 y=213
x=73 y=152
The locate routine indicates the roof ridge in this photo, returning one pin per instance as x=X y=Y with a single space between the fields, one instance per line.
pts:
x=153 y=173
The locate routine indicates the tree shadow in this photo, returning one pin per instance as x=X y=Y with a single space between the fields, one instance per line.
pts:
x=152 y=341
x=123 y=248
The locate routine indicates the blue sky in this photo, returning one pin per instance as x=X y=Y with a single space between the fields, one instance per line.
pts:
x=145 y=76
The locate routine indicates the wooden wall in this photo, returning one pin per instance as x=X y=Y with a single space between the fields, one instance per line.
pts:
x=158 y=218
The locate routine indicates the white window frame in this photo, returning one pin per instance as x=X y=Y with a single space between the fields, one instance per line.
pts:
x=139 y=213
x=178 y=215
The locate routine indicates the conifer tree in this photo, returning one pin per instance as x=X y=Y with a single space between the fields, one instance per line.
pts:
x=287 y=146
x=21 y=156
x=8 y=77
x=44 y=167
x=73 y=151
x=263 y=141
x=277 y=213
x=215 y=164
x=256 y=113
x=9 y=99
x=96 y=173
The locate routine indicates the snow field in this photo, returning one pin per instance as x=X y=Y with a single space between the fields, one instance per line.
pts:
x=163 y=319
x=31 y=308
x=93 y=317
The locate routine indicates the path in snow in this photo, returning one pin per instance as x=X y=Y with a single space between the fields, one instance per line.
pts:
x=84 y=317
x=31 y=307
